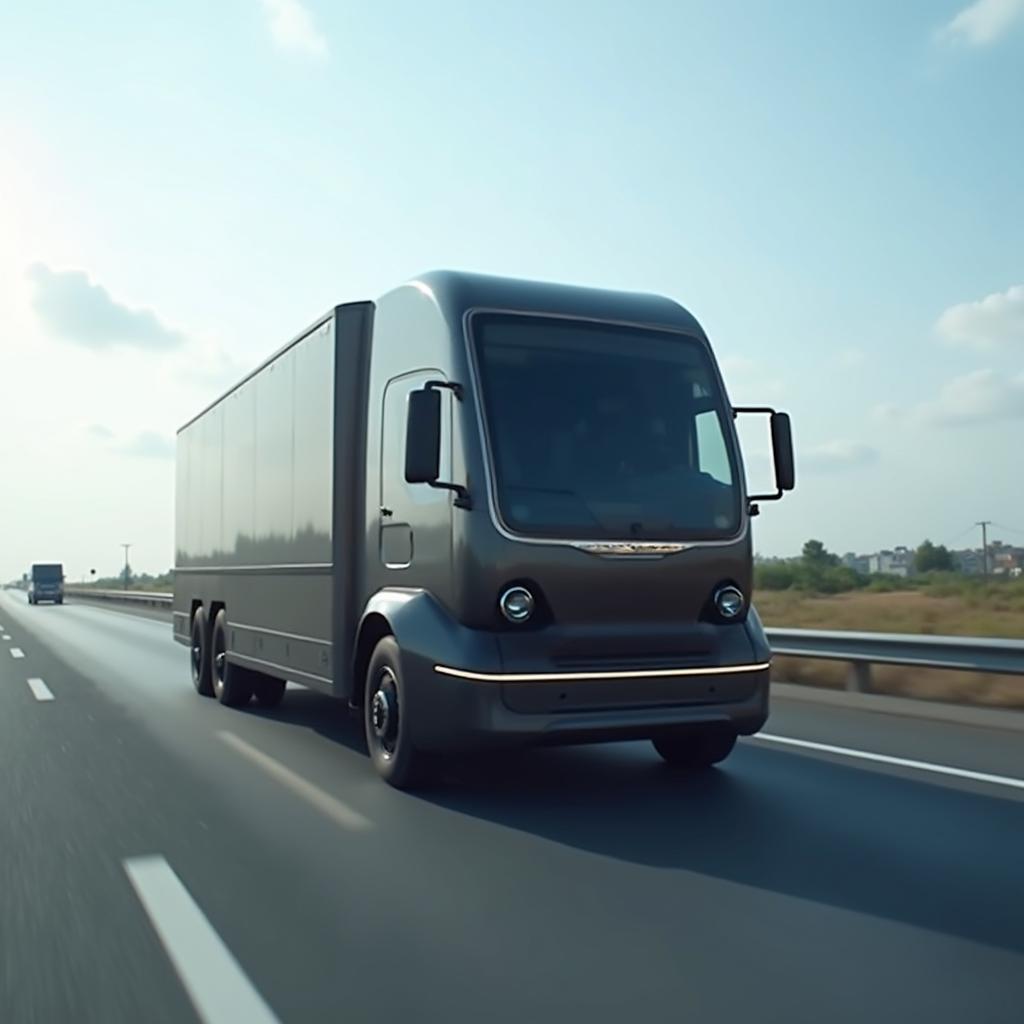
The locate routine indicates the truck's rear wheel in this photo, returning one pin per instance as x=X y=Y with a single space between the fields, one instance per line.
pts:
x=232 y=685
x=387 y=726
x=698 y=748
x=199 y=654
x=267 y=691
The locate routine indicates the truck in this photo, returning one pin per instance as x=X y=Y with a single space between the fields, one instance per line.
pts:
x=482 y=512
x=46 y=582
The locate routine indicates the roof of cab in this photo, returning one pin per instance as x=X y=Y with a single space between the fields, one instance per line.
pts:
x=457 y=292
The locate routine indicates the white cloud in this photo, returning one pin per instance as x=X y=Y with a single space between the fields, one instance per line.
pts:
x=997 y=319
x=886 y=412
x=835 y=456
x=983 y=22
x=982 y=396
x=292 y=27
x=149 y=445
x=71 y=307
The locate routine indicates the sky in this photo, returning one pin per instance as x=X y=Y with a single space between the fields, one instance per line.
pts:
x=833 y=190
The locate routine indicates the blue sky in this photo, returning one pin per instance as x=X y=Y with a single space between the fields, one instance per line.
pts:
x=833 y=190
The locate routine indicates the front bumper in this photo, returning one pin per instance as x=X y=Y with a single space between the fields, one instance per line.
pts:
x=450 y=711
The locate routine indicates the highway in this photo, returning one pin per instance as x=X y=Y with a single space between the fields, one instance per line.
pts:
x=163 y=858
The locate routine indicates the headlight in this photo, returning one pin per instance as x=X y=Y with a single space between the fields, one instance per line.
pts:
x=516 y=604
x=730 y=602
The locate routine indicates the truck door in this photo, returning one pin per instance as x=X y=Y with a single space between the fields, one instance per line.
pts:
x=415 y=519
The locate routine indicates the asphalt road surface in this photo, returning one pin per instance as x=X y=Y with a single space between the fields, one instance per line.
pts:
x=163 y=858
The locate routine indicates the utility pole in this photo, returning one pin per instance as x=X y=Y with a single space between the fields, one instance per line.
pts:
x=125 y=578
x=984 y=524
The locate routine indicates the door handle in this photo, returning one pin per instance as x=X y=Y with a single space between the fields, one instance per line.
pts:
x=386 y=513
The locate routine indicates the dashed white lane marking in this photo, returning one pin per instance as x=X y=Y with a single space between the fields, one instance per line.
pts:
x=40 y=689
x=900 y=762
x=6 y=637
x=17 y=652
x=218 y=987
x=338 y=812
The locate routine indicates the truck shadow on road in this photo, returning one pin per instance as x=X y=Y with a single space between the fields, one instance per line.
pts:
x=925 y=853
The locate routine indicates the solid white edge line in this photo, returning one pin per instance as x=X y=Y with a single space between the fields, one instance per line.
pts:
x=338 y=812
x=900 y=762
x=17 y=652
x=218 y=987
x=39 y=689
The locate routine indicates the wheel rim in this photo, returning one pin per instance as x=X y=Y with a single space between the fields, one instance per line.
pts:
x=197 y=656
x=219 y=663
x=383 y=714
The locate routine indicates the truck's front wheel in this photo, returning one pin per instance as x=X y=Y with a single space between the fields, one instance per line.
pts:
x=698 y=748
x=387 y=726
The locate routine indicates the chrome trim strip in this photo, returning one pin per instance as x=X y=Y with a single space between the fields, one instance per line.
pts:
x=485 y=438
x=631 y=549
x=280 y=632
x=566 y=677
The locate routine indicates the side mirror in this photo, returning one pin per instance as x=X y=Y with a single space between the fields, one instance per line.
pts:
x=782 y=450
x=423 y=437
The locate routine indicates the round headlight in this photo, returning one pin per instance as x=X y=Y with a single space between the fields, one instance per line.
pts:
x=729 y=601
x=516 y=604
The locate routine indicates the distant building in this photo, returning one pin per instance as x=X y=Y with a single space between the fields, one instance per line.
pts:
x=899 y=562
x=1003 y=559
x=969 y=562
x=858 y=563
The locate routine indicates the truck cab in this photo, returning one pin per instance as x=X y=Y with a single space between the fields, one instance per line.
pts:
x=561 y=531
x=46 y=583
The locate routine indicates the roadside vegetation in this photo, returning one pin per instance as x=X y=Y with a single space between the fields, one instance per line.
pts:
x=136 y=581
x=816 y=592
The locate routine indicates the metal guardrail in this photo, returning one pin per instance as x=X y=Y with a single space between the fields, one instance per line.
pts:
x=861 y=650
x=154 y=599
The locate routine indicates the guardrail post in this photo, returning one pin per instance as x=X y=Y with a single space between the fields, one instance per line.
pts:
x=858 y=679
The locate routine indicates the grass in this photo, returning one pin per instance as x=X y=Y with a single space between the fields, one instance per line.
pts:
x=983 y=610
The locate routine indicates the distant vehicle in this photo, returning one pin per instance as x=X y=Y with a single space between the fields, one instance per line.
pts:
x=46 y=583
x=483 y=512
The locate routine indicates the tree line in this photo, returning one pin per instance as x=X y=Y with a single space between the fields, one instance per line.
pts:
x=820 y=570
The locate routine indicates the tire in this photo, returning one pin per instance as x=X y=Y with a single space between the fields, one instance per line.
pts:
x=232 y=685
x=697 y=749
x=200 y=654
x=388 y=738
x=267 y=691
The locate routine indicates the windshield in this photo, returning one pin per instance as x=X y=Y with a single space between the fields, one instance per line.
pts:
x=47 y=573
x=606 y=432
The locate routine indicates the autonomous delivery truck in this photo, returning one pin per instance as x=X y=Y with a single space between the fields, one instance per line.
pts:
x=482 y=512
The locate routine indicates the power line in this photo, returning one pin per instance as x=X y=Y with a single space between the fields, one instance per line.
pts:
x=1008 y=529
x=963 y=533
